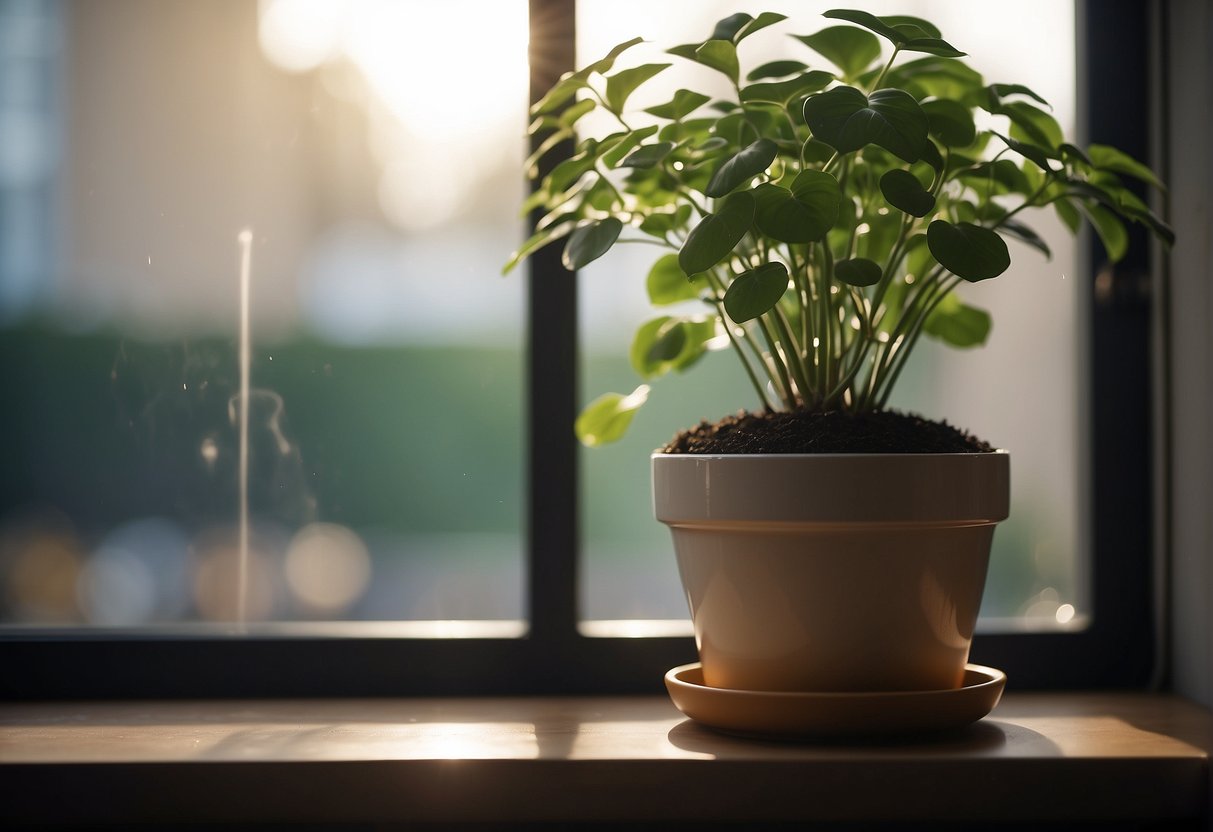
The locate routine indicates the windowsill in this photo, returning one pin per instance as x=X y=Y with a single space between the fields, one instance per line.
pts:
x=1091 y=757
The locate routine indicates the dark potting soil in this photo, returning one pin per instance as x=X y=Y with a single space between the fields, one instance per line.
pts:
x=834 y=432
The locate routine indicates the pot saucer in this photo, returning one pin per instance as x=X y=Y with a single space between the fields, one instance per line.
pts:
x=792 y=715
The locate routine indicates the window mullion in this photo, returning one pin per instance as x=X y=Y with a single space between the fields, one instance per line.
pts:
x=552 y=527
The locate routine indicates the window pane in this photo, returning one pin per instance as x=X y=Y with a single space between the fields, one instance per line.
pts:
x=1019 y=392
x=383 y=433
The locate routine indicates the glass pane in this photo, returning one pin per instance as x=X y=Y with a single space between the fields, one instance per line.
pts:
x=1021 y=391
x=139 y=138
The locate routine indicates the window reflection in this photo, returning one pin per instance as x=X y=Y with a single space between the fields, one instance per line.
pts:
x=378 y=164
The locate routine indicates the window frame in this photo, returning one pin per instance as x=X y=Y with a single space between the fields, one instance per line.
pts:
x=1116 y=650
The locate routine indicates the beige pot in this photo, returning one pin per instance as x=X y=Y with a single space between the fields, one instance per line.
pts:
x=833 y=572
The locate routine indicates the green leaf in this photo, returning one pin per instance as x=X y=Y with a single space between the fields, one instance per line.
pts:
x=1159 y=228
x=716 y=234
x=802 y=214
x=782 y=92
x=1037 y=155
x=755 y=292
x=567 y=118
x=958 y=324
x=909 y=34
x=606 y=419
x=868 y=21
x=623 y=83
x=681 y=105
x=968 y=251
x=931 y=155
x=1001 y=91
x=537 y=241
x=1070 y=153
x=589 y=242
x=816 y=152
x=912 y=27
x=1104 y=157
x=728 y=28
x=749 y=162
x=763 y=20
x=691 y=130
x=626 y=145
x=561 y=91
x=569 y=171
x=1107 y=189
x=1003 y=173
x=1026 y=235
x=851 y=50
x=531 y=165
x=847 y=120
x=858 y=271
x=1111 y=230
x=938 y=77
x=601 y=196
x=1032 y=125
x=648 y=155
x=655 y=346
x=685 y=50
x=904 y=192
x=572 y=114
x=667 y=283
x=664 y=344
x=603 y=65
x=660 y=223
x=720 y=55
x=950 y=122
x=776 y=69
x=932 y=46
x=571 y=82
x=1068 y=214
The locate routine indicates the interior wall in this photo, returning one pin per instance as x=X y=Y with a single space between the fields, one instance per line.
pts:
x=1188 y=28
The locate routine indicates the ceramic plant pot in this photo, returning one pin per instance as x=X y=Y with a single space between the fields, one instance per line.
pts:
x=847 y=572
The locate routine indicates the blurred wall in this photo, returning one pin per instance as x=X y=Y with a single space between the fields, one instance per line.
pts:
x=181 y=134
x=1188 y=47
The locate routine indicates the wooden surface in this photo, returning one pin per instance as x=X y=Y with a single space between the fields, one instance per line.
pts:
x=1072 y=756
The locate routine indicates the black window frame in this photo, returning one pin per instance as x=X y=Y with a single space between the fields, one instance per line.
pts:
x=1116 y=650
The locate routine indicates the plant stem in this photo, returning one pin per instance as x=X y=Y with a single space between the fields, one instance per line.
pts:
x=1030 y=202
x=718 y=287
x=607 y=107
x=789 y=397
x=740 y=350
x=646 y=242
x=894 y=258
x=611 y=185
x=792 y=350
x=907 y=347
x=883 y=72
x=686 y=192
x=800 y=274
x=845 y=381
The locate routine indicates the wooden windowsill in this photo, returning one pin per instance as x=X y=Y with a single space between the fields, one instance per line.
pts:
x=1062 y=757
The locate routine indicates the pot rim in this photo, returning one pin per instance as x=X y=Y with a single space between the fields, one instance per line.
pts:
x=657 y=454
x=940 y=488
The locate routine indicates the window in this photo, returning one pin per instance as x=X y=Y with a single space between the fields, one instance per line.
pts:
x=1039 y=566
x=351 y=285
x=376 y=208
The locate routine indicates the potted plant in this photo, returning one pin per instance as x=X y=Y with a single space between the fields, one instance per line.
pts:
x=824 y=213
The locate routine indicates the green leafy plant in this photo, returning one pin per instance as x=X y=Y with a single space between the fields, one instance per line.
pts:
x=823 y=216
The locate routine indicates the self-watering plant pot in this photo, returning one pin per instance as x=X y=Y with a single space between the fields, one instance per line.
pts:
x=832 y=572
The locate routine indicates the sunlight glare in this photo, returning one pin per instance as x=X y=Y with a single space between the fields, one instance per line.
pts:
x=438 y=67
x=299 y=35
x=442 y=84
